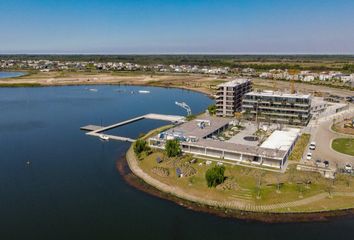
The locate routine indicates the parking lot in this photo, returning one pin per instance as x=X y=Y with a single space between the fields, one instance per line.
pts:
x=322 y=134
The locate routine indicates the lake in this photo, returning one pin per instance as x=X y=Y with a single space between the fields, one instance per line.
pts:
x=72 y=190
x=11 y=74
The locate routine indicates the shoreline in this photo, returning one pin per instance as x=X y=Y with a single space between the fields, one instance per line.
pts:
x=139 y=184
x=195 y=82
x=15 y=85
x=138 y=179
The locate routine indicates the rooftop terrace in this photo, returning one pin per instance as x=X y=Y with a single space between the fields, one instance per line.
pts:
x=281 y=140
x=278 y=94
x=192 y=128
x=234 y=83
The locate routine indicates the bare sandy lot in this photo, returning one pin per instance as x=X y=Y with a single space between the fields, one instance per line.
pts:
x=197 y=82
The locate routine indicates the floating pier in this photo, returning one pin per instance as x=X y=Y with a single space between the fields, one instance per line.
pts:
x=90 y=127
x=97 y=131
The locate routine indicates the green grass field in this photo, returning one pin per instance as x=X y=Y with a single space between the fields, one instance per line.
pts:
x=344 y=145
x=274 y=188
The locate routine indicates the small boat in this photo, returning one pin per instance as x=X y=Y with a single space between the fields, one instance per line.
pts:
x=144 y=91
x=28 y=163
x=104 y=137
x=93 y=90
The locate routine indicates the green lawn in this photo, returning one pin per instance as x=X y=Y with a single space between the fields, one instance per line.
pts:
x=344 y=145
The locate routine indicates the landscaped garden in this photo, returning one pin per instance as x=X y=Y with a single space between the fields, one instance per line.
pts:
x=300 y=147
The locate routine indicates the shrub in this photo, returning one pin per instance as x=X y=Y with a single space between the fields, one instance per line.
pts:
x=212 y=109
x=172 y=148
x=191 y=117
x=215 y=176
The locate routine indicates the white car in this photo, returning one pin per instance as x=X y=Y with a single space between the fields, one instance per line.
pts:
x=312 y=146
x=348 y=168
x=309 y=156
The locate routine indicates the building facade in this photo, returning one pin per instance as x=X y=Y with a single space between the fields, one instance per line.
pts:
x=269 y=106
x=229 y=96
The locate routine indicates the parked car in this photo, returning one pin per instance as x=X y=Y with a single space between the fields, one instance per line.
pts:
x=309 y=156
x=326 y=163
x=348 y=168
x=312 y=146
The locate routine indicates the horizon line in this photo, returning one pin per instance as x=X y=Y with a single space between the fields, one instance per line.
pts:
x=179 y=53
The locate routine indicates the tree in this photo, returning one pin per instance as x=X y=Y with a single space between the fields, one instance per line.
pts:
x=212 y=109
x=329 y=188
x=140 y=146
x=172 y=148
x=215 y=176
x=279 y=183
x=259 y=178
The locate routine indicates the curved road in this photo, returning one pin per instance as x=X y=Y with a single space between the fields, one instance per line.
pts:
x=323 y=135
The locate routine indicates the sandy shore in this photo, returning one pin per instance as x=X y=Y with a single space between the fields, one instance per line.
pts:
x=200 y=83
x=195 y=82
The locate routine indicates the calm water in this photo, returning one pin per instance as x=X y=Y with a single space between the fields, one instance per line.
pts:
x=11 y=74
x=72 y=189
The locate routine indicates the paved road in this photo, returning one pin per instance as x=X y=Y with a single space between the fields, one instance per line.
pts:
x=322 y=134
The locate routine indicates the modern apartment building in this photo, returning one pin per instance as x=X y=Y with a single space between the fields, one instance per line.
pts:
x=229 y=96
x=269 y=106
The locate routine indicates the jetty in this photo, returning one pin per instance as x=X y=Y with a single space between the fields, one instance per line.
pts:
x=97 y=131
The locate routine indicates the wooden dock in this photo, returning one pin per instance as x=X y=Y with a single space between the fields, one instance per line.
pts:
x=97 y=131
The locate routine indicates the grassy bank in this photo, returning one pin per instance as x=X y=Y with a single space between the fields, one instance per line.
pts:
x=13 y=85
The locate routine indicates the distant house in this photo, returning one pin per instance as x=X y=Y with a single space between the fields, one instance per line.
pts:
x=309 y=78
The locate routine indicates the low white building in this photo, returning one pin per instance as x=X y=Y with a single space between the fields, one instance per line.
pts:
x=280 y=140
x=309 y=78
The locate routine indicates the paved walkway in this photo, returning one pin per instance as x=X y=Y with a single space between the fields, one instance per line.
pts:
x=240 y=204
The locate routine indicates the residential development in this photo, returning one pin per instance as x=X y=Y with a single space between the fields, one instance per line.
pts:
x=273 y=121
x=229 y=96
x=270 y=106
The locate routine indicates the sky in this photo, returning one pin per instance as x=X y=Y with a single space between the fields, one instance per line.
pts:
x=177 y=27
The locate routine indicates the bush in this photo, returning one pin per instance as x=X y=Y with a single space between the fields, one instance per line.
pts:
x=140 y=146
x=215 y=176
x=212 y=109
x=300 y=147
x=191 y=117
x=172 y=148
